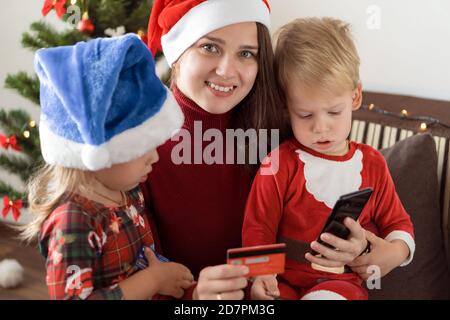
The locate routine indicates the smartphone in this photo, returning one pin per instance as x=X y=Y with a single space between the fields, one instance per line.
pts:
x=349 y=205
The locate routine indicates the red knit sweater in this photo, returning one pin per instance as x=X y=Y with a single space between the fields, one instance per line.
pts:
x=197 y=209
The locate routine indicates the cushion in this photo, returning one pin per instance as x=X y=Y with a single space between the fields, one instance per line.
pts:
x=413 y=166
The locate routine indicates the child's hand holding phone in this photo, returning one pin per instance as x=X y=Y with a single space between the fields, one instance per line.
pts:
x=342 y=238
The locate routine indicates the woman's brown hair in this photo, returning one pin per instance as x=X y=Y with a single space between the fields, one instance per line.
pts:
x=263 y=107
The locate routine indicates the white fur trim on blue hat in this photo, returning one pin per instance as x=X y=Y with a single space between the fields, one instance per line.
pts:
x=124 y=147
x=207 y=17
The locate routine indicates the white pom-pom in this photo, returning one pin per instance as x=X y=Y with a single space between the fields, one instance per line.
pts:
x=95 y=157
x=11 y=273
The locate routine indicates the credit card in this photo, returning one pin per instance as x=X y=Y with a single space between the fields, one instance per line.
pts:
x=261 y=260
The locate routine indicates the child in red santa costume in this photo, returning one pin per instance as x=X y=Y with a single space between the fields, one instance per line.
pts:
x=318 y=67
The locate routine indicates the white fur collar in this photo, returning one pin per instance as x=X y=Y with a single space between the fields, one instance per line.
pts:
x=327 y=180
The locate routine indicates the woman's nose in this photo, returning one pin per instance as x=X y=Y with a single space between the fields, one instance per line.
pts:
x=226 y=68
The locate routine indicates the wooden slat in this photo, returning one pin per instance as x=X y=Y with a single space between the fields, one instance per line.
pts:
x=360 y=133
x=386 y=137
x=403 y=134
x=370 y=134
x=440 y=146
x=354 y=130
x=393 y=137
x=376 y=136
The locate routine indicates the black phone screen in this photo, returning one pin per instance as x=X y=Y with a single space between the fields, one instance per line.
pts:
x=349 y=205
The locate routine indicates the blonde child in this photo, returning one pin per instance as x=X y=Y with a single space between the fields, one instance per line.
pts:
x=104 y=112
x=318 y=67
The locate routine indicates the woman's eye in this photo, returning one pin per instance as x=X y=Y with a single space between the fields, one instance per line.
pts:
x=305 y=116
x=210 y=48
x=247 y=54
x=335 y=113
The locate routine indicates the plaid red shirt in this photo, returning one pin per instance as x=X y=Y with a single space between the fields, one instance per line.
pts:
x=89 y=247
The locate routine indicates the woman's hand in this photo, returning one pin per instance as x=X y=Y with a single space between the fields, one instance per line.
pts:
x=383 y=254
x=265 y=288
x=347 y=250
x=223 y=282
x=171 y=278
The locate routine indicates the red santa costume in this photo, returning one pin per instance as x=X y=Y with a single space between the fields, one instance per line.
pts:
x=292 y=203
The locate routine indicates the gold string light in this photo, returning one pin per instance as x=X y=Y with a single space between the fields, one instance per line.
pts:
x=427 y=121
x=423 y=126
x=26 y=134
x=32 y=124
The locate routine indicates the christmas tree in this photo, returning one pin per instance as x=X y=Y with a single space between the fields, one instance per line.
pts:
x=86 y=19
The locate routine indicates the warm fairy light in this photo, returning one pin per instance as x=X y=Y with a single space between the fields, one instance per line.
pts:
x=423 y=126
x=404 y=112
x=371 y=106
x=32 y=123
x=10 y=203
x=26 y=134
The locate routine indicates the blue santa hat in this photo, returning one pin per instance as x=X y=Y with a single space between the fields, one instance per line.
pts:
x=102 y=103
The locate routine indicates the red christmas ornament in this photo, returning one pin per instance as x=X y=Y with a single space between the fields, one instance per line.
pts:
x=9 y=142
x=59 y=6
x=9 y=205
x=86 y=25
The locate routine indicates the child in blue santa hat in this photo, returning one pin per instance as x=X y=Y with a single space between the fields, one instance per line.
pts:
x=104 y=112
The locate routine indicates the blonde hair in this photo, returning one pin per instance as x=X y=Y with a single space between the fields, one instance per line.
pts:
x=47 y=188
x=318 y=52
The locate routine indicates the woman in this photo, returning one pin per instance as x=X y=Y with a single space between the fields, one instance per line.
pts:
x=221 y=56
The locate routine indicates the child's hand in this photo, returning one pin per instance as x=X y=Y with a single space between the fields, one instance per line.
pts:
x=172 y=278
x=265 y=288
x=347 y=250
x=384 y=254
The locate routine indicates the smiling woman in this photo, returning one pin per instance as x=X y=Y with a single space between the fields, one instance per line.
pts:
x=219 y=70
x=221 y=56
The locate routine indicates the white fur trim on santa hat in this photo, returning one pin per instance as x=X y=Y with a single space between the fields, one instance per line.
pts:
x=124 y=147
x=408 y=239
x=323 y=295
x=11 y=273
x=207 y=17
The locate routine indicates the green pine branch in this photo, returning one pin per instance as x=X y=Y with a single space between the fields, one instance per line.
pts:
x=43 y=35
x=6 y=189
x=132 y=14
x=27 y=86
x=16 y=165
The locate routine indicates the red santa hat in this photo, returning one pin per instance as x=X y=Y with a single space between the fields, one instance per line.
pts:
x=175 y=25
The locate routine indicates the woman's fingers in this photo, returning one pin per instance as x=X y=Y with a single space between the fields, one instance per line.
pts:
x=225 y=271
x=225 y=285
x=222 y=282
x=231 y=295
